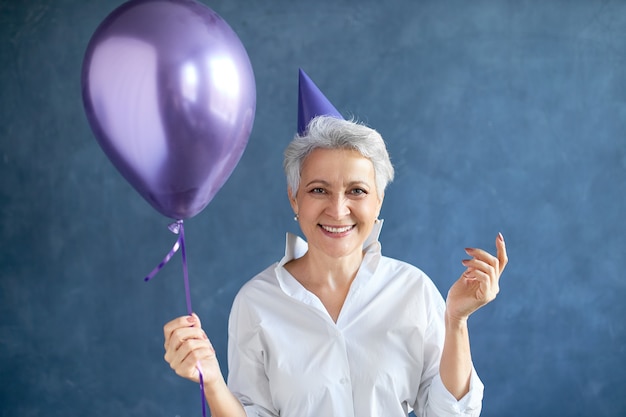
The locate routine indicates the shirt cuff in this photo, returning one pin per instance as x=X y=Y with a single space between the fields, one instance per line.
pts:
x=441 y=402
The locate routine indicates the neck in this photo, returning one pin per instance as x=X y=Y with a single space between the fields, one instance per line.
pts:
x=328 y=278
x=321 y=271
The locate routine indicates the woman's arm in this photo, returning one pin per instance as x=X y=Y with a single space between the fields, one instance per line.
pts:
x=476 y=287
x=188 y=350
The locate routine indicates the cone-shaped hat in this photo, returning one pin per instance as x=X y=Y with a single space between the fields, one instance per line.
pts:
x=311 y=103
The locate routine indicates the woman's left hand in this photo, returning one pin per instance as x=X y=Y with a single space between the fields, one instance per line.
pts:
x=479 y=283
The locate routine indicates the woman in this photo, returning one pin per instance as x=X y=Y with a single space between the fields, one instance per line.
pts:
x=335 y=328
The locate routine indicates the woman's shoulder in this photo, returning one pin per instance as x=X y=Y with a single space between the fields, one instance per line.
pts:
x=264 y=279
x=406 y=274
x=402 y=268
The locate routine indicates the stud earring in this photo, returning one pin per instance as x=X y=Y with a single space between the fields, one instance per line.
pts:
x=296 y=217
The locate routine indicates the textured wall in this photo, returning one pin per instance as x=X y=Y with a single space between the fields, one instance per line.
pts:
x=499 y=115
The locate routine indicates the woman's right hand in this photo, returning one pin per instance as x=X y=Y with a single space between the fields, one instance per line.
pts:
x=188 y=348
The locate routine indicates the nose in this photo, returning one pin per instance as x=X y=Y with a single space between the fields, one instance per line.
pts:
x=338 y=207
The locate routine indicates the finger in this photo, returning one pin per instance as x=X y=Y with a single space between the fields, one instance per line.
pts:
x=482 y=255
x=488 y=287
x=196 y=349
x=495 y=262
x=177 y=323
x=181 y=322
x=503 y=258
x=181 y=345
x=477 y=266
x=180 y=336
x=481 y=265
x=186 y=363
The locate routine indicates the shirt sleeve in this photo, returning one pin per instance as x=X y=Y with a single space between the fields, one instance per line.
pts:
x=434 y=400
x=441 y=403
x=246 y=377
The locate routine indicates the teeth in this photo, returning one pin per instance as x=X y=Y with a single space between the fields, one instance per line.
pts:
x=337 y=229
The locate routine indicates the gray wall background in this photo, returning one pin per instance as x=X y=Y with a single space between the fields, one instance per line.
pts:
x=499 y=115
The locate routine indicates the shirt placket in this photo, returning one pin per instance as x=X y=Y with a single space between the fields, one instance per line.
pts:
x=342 y=370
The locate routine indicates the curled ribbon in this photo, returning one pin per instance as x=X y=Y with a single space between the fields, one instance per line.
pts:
x=178 y=228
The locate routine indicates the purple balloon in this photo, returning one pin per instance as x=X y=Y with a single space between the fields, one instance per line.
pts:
x=169 y=93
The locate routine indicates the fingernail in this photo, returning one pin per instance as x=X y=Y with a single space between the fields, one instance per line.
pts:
x=191 y=319
x=500 y=237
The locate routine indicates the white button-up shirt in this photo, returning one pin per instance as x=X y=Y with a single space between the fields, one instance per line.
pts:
x=287 y=357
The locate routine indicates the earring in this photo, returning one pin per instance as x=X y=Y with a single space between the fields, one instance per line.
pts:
x=376 y=221
x=296 y=217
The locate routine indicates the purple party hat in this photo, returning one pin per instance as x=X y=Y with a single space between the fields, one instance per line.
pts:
x=311 y=103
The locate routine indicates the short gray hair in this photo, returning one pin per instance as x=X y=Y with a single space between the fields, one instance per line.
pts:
x=333 y=133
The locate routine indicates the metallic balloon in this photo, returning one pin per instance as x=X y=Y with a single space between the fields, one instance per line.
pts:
x=169 y=93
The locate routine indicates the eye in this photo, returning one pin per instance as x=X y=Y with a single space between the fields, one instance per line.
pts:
x=317 y=190
x=358 y=191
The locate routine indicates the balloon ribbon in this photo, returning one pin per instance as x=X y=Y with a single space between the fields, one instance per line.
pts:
x=178 y=228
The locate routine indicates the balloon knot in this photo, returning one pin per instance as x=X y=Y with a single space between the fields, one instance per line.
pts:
x=175 y=227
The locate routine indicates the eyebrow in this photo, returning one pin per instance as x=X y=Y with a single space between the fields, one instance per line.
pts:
x=350 y=184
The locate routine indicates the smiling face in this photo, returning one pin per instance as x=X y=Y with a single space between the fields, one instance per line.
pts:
x=337 y=203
